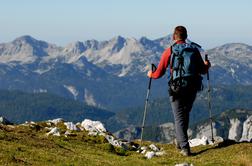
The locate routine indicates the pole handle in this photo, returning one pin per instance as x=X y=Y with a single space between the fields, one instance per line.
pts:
x=206 y=59
x=153 y=69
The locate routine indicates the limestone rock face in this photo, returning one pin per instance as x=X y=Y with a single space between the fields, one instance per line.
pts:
x=247 y=130
x=233 y=125
x=4 y=121
x=235 y=130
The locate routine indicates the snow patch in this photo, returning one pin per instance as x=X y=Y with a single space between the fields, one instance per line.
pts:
x=89 y=98
x=42 y=71
x=72 y=90
x=124 y=72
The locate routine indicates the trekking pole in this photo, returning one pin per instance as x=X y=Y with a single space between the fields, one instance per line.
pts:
x=209 y=102
x=153 y=68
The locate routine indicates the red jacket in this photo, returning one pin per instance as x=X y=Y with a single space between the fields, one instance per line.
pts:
x=164 y=62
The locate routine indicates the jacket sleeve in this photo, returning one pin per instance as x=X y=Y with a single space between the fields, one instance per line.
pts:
x=163 y=64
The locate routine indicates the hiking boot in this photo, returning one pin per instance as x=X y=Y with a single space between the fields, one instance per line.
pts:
x=185 y=152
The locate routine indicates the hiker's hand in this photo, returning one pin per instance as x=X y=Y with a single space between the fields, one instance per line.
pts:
x=149 y=74
x=207 y=63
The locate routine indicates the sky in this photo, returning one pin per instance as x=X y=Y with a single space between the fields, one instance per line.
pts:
x=209 y=23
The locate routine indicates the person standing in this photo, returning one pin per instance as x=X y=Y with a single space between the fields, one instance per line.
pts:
x=186 y=68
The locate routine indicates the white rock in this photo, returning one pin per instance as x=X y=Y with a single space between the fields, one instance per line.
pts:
x=55 y=132
x=71 y=126
x=113 y=141
x=197 y=141
x=93 y=133
x=205 y=130
x=67 y=133
x=150 y=154
x=82 y=128
x=154 y=148
x=235 y=130
x=167 y=132
x=90 y=125
x=161 y=153
x=247 y=130
x=56 y=121
x=217 y=139
x=143 y=151
x=102 y=134
x=30 y=122
x=48 y=124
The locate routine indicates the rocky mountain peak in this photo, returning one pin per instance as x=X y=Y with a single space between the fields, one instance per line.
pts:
x=150 y=44
x=165 y=41
x=25 y=39
x=27 y=45
x=92 y=44
x=144 y=40
x=117 y=43
x=75 y=48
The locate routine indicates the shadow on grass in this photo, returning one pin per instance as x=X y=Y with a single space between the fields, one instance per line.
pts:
x=220 y=145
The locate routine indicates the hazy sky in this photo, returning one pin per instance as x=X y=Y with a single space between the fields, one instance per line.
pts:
x=209 y=22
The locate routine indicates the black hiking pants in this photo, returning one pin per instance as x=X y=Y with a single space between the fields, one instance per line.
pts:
x=181 y=103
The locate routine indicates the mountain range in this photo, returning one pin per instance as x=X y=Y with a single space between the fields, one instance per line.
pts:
x=107 y=74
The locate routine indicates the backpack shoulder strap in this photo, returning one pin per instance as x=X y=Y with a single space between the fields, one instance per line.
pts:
x=195 y=44
x=172 y=56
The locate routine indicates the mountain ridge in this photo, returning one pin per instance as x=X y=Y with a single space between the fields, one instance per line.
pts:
x=112 y=70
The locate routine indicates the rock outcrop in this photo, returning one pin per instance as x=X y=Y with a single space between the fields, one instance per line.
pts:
x=4 y=121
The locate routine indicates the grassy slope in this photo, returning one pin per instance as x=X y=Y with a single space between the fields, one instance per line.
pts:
x=24 y=145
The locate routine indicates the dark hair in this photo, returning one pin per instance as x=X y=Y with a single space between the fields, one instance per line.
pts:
x=180 y=32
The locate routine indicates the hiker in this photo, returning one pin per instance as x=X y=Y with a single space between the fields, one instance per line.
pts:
x=186 y=67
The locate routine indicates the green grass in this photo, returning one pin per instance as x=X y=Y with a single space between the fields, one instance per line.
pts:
x=24 y=145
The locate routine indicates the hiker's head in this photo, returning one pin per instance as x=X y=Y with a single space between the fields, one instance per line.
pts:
x=180 y=33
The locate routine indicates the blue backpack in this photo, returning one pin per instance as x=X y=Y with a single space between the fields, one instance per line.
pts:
x=184 y=64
